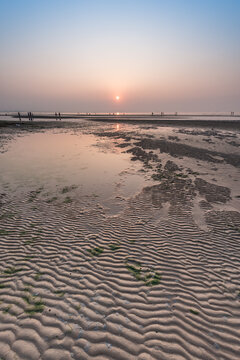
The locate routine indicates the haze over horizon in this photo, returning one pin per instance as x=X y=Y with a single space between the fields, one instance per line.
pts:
x=77 y=56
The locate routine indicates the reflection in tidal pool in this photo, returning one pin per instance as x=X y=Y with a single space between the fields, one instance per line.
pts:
x=55 y=160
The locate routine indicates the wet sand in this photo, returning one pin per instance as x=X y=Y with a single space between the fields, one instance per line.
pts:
x=220 y=121
x=122 y=242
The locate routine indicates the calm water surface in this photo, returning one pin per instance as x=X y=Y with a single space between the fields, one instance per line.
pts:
x=54 y=160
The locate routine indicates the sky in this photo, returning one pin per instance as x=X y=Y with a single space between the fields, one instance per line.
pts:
x=156 y=55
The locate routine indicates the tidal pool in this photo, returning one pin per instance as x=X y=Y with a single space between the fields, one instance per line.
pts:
x=59 y=160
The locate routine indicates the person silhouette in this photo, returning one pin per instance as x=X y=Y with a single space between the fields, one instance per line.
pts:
x=19 y=116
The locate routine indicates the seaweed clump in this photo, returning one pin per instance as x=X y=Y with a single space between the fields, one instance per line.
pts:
x=149 y=277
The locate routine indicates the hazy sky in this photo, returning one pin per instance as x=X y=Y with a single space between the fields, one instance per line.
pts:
x=157 y=55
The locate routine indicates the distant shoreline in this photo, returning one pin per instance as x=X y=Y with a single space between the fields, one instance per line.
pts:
x=134 y=119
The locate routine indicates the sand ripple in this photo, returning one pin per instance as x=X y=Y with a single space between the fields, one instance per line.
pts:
x=74 y=280
x=95 y=308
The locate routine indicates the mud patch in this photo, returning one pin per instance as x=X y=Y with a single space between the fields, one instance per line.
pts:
x=171 y=166
x=177 y=150
x=176 y=191
x=140 y=154
x=212 y=192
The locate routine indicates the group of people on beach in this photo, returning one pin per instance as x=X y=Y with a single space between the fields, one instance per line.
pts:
x=30 y=116
x=58 y=116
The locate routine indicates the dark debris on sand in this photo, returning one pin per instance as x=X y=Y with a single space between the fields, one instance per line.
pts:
x=140 y=154
x=177 y=150
x=212 y=192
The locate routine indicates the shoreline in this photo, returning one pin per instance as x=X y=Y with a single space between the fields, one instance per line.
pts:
x=221 y=124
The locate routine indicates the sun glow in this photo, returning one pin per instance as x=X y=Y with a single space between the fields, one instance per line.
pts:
x=117 y=97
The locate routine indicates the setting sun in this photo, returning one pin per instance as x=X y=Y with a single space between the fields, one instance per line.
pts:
x=117 y=97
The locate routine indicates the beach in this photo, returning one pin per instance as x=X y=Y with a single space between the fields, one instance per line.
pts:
x=119 y=239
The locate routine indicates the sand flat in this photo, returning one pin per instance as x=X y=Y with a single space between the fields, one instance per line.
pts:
x=119 y=241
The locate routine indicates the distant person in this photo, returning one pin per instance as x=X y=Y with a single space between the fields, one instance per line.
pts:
x=152 y=113
x=19 y=116
x=29 y=116
x=59 y=115
x=56 y=115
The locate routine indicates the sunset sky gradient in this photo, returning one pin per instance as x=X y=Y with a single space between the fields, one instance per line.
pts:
x=157 y=55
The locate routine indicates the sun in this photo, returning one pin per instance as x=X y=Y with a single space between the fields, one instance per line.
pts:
x=117 y=97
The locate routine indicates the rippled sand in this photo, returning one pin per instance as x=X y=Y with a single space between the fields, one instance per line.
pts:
x=119 y=242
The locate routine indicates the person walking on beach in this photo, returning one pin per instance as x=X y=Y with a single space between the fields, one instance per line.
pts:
x=56 y=115
x=59 y=115
x=19 y=116
x=29 y=116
